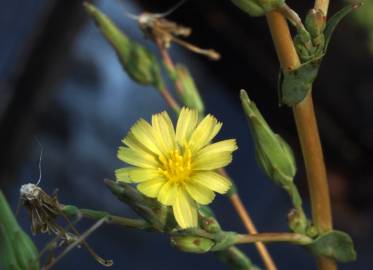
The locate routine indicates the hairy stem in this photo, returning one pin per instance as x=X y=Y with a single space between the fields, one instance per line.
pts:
x=308 y=134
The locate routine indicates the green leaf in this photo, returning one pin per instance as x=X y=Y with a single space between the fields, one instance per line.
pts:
x=295 y=84
x=17 y=251
x=335 y=20
x=334 y=244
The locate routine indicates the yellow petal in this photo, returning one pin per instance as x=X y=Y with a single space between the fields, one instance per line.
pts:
x=204 y=133
x=140 y=175
x=168 y=192
x=219 y=147
x=212 y=180
x=200 y=193
x=122 y=174
x=164 y=132
x=143 y=132
x=136 y=175
x=136 y=158
x=152 y=187
x=212 y=161
x=186 y=123
x=185 y=210
x=133 y=143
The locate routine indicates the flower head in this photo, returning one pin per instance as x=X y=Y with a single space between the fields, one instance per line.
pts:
x=177 y=166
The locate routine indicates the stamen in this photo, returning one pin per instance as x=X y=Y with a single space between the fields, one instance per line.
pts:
x=177 y=166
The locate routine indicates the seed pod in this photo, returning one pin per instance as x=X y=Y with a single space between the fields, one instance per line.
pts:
x=140 y=64
x=273 y=154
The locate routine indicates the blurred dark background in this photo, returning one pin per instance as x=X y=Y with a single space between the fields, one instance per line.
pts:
x=61 y=82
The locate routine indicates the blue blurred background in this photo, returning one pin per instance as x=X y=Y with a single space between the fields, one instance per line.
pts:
x=61 y=82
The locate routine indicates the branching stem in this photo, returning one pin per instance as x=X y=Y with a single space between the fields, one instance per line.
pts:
x=307 y=131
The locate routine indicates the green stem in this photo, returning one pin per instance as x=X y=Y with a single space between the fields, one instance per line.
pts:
x=236 y=259
x=294 y=238
x=73 y=211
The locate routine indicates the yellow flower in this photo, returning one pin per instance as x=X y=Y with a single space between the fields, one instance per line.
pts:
x=177 y=167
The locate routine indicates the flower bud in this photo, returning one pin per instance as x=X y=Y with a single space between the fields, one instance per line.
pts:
x=190 y=94
x=149 y=209
x=256 y=8
x=273 y=154
x=315 y=22
x=297 y=221
x=210 y=224
x=192 y=244
x=138 y=62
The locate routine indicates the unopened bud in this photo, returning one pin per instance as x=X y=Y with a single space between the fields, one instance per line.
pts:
x=297 y=221
x=140 y=64
x=192 y=244
x=210 y=224
x=315 y=22
x=273 y=154
x=190 y=94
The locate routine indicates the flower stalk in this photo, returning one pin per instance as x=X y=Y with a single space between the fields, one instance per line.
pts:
x=294 y=238
x=307 y=130
x=233 y=196
x=140 y=224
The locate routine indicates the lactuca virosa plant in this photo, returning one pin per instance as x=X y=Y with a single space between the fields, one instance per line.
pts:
x=177 y=168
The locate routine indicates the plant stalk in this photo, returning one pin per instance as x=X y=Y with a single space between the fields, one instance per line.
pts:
x=244 y=215
x=170 y=100
x=111 y=219
x=308 y=133
x=294 y=238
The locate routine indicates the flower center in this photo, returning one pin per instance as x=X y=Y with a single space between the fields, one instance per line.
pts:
x=177 y=166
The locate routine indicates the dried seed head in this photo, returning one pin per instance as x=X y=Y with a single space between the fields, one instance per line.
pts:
x=30 y=192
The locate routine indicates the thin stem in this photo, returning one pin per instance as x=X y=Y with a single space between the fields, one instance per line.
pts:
x=170 y=100
x=169 y=65
x=322 y=5
x=294 y=238
x=140 y=224
x=308 y=134
x=242 y=212
x=250 y=227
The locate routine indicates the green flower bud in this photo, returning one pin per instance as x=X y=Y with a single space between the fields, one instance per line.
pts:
x=192 y=244
x=302 y=51
x=256 y=8
x=315 y=22
x=137 y=61
x=190 y=94
x=297 y=221
x=210 y=224
x=273 y=154
x=159 y=216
